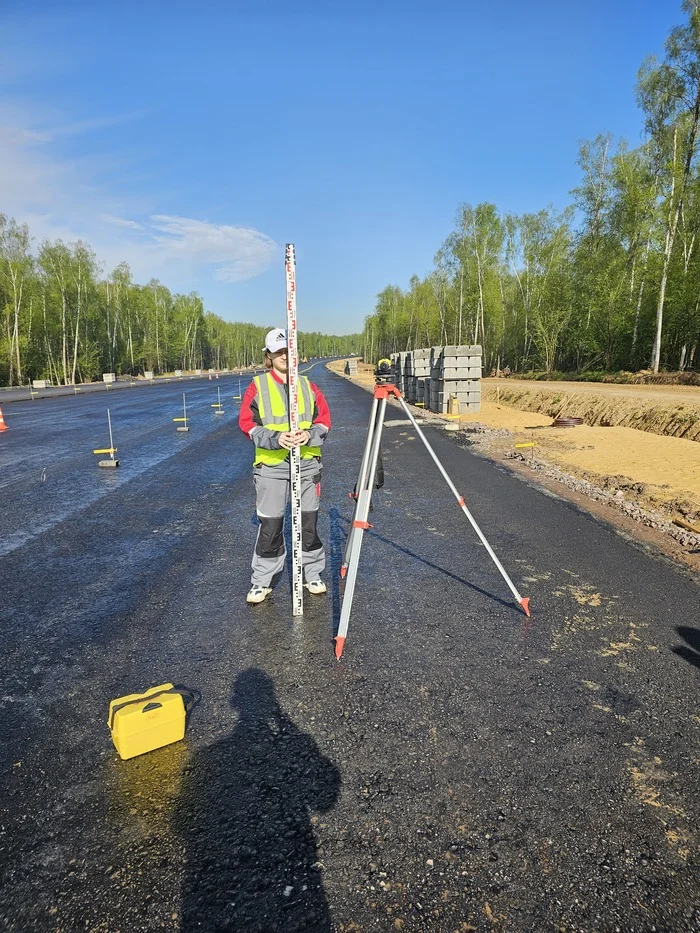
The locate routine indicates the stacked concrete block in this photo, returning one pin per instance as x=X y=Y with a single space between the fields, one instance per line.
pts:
x=422 y=373
x=417 y=371
x=397 y=364
x=351 y=367
x=406 y=369
x=436 y=381
x=455 y=374
x=409 y=386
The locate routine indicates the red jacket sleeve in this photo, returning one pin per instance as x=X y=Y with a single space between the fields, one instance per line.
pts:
x=323 y=412
x=248 y=418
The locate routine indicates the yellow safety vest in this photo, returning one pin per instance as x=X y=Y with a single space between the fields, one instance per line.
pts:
x=274 y=414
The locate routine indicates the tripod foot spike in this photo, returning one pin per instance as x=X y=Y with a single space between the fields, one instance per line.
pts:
x=525 y=603
x=339 y=645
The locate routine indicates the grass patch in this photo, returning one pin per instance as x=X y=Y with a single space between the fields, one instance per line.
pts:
x=621 y=377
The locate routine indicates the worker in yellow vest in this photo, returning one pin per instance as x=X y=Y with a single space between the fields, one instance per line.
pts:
x=264 y=418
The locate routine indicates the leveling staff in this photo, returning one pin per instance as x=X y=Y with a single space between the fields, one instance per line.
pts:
x=264 y=418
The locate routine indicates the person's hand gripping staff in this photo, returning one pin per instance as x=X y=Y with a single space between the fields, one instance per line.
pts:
x=289 y=439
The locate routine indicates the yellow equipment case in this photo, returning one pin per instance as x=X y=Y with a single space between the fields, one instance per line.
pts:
x=140 y=722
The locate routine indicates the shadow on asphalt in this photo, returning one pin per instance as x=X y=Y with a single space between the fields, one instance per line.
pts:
x=335 y=553
x=243 y=818
x=337 y=534
x=690 y=654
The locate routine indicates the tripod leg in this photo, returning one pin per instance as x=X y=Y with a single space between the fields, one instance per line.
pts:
x=359 y=526
x=522 y=601
x=362 y=479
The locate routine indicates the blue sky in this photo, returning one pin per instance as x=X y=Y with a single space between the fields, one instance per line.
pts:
x=193 y=140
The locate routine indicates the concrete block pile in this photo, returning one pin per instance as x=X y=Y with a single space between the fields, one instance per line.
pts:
x=351 y=367
x=443 y=379
x=416 y=371
x=455 y=380
x=397 y=367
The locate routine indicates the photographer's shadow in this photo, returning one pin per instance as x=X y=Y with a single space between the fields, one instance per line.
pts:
x=243 y=816
x=691 y=650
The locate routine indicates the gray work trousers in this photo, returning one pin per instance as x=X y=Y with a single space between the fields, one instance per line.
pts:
x=271 y=498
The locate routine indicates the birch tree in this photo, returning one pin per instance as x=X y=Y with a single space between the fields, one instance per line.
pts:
x=669 y=94
x=15 y=268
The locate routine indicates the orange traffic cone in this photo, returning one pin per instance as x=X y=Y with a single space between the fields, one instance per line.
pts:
x=3 y=426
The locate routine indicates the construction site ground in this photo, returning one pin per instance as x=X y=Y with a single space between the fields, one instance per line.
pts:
x=462 y=767
x=645 y=481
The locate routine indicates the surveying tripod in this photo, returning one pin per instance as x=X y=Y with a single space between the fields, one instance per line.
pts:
x=383 y=390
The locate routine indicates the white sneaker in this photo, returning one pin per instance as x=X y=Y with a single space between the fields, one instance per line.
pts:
x=316 y=587
x=257 y=593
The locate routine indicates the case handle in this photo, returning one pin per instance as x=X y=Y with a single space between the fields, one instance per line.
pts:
x=189 y=698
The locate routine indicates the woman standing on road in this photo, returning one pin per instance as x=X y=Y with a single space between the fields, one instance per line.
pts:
x=264 y=418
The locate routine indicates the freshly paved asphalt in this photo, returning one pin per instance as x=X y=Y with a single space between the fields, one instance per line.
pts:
x=462 y=768
x=27 y=393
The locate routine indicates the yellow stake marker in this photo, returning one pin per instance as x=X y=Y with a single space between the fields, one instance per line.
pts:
x=531 y=444
x=185 y=428
x=218 y=405
x=111 y=450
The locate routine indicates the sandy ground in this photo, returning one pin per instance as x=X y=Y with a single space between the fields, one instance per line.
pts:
x=655 y=472
x=668 y=466
x=675 y=393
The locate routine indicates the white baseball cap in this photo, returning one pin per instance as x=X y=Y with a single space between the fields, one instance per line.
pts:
x=276 y=340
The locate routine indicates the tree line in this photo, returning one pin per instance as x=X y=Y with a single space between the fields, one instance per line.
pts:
x=611 y=282
x=62 y=320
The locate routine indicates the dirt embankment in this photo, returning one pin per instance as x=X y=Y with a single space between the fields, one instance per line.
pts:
x=672 y=411
x=645 y=478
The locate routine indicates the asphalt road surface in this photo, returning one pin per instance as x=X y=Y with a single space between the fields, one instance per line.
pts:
x=461 y=768
x=27 y=393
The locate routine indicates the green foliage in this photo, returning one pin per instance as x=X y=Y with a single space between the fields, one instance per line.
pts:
x=619 y=292
x=60 y=321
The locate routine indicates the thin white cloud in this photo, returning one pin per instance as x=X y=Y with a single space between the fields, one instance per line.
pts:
x=68 y=198
x=238 y=252
x=98 y=123
x=121 y=222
